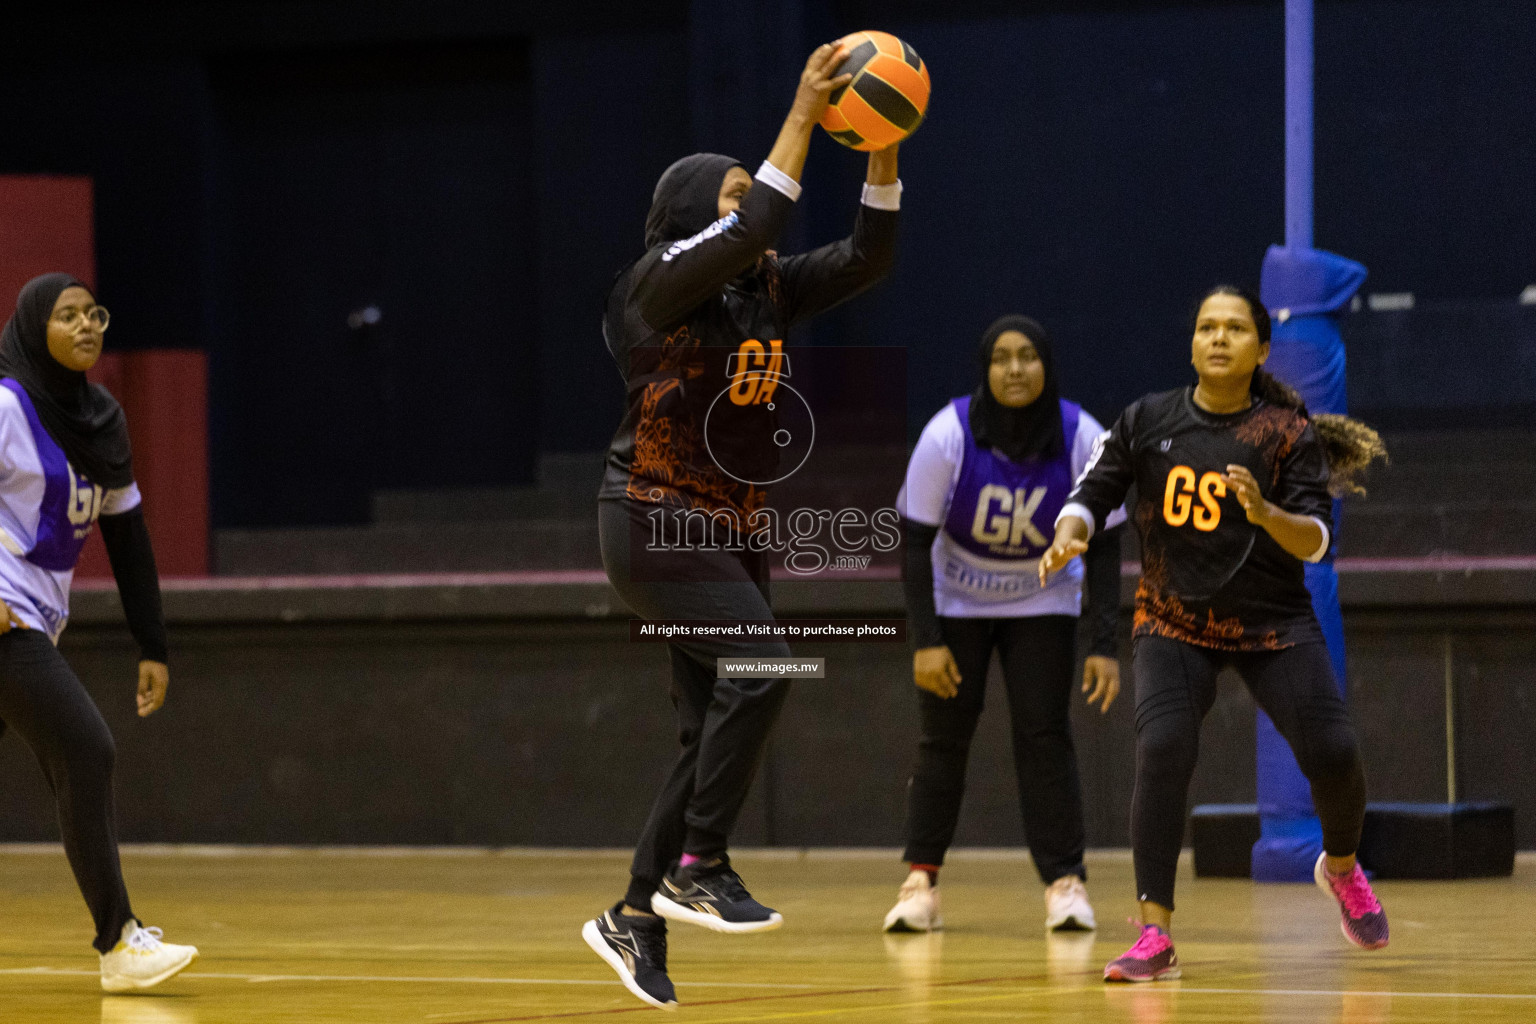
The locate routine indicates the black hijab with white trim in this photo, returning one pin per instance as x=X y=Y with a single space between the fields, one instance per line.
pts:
x=687 y=196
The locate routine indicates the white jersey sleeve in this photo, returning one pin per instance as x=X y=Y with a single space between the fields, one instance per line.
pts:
x=1089 y=430
x=122 y=499
x=933 y=469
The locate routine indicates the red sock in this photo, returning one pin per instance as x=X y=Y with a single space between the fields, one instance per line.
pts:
x=688 y=859
x=931 y=870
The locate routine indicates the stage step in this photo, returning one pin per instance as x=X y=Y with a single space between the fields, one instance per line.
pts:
x=491 y=546
x=1400 y=840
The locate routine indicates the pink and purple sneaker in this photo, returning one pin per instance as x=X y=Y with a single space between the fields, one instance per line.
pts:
x=1363 y=922
x=1151 y=959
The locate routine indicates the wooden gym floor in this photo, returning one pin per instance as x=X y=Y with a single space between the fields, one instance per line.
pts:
x=460 y=937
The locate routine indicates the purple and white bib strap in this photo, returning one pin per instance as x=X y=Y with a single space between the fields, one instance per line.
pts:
x=70 y=501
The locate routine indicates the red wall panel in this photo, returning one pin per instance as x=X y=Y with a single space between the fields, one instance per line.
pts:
x=164 y=393
x=46 y=223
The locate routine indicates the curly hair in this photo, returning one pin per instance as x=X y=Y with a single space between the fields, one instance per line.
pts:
x=1349 y=445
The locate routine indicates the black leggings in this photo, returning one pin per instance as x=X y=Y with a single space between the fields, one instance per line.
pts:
x=1176 y=686
x=722 y=724
x=43 y=701
x=1038 y=656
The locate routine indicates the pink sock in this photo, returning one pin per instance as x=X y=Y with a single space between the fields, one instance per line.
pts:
x=688 y=859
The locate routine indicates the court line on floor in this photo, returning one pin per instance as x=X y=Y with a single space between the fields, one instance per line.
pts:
x=878 y=1007
x=868 y=990
x=1026 y=993
x=906 y=1004
x=810 y=989
x=267 y=978
x=1168 y=988
x=1343 y=992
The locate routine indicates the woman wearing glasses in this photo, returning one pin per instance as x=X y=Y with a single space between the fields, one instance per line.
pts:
x=64 y=462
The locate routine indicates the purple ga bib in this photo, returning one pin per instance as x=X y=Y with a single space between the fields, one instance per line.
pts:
x=71 y=503
x=1007 y=510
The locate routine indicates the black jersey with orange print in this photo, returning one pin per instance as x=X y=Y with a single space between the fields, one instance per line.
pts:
x=697 y=328
x=1209 y=576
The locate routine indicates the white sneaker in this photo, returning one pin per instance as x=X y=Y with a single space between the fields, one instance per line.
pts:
x=917 y=906
x=1066 y=905
x=141 y=960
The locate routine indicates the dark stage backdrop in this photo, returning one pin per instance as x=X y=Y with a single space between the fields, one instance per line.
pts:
x=480 y=171
x=374 y=274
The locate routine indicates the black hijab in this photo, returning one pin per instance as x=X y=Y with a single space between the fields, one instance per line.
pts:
x=1032 y=431
x=83 y=418
x=687 y=198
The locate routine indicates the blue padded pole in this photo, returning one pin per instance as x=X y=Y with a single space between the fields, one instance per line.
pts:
x=1305 y=288
x=1298 y=124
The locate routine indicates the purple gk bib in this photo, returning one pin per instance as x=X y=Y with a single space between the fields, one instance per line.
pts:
x=71 y=503
x=1007 y=510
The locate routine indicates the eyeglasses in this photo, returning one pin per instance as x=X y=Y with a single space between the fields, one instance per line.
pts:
x=73 y=319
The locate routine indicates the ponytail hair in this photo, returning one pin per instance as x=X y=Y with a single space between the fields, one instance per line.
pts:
x=1350 y=446
x=1276 y=392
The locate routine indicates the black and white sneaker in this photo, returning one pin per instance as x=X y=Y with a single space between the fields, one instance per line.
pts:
x=635 y=947
x=712 y=896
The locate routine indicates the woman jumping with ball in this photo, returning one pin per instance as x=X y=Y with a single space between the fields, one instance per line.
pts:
x=1233 y=481
x=706 y=302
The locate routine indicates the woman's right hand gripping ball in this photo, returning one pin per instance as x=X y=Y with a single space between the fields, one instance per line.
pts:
x=818 y=81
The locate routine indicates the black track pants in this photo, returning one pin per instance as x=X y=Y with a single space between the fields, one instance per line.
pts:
x=1176 y=686
x=43 y=702
x=1037 y=656
x=722 y=724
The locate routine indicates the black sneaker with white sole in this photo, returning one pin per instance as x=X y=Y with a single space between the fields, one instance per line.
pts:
x=635 y=947
x=711 y=896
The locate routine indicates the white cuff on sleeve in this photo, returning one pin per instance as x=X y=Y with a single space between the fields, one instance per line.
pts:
x=124 y=499
x=779 y=181
x=1317 y=556
x=883 y=197
x=1072 y=508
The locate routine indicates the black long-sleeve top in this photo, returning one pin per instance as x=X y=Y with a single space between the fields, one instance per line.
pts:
x=126 y=537
x=1209 y=576
x=691 y=313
